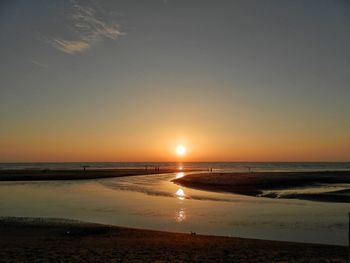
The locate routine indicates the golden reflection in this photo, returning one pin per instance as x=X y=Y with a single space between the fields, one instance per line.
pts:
x=180 y=194
x=180 y=215
x=179 y=175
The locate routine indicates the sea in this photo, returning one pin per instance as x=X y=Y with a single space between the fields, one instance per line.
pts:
x=217 y=166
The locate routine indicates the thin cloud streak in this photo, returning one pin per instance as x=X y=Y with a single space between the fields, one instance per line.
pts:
x=88 y=30
x=70 y=46
x=39 y=64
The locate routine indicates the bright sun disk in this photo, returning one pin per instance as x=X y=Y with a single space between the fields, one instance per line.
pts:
x=180 y=150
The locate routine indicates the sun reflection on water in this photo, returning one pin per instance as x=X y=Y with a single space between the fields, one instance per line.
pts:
x=179 y=175
x=180 y=194
x=180 y=215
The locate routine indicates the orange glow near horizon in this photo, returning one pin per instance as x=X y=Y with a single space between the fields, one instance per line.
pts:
x=107 y=142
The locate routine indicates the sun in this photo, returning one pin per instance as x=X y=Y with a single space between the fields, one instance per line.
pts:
x=180 y=150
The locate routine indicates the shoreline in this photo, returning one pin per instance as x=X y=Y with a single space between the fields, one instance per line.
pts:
x=75 y=174
x=267 y=184
x=40 y=239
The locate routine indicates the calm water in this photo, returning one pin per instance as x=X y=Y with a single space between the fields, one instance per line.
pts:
x=154 y=202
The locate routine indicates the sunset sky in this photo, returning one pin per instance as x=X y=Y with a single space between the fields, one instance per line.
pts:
x=130 y=80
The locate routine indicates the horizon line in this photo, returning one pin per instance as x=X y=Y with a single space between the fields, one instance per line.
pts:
x=17 y=162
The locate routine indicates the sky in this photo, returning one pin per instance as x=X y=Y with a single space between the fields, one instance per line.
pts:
x=129 y=80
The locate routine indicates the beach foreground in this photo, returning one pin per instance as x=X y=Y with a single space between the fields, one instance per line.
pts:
x=316 y=186
x=56 y=240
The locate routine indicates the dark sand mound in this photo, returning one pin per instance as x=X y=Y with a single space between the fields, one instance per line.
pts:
x=255 y=183
x=47 y=174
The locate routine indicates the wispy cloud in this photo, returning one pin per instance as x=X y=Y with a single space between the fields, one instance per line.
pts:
x=87 y=28
x=70 y=46
x=39 y=64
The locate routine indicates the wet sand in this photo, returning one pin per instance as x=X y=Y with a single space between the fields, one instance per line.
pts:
x=257 y=183
x=54 y=240
x=47 y=174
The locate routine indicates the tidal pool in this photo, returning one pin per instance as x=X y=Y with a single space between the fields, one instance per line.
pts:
x=154 y=202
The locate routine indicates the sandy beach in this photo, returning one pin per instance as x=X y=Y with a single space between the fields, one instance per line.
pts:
x=57 y=240
x=81 y=174
x=266 y=183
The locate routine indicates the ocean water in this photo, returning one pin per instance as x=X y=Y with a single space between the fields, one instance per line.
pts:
x=155 y=202
x=216 y=166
